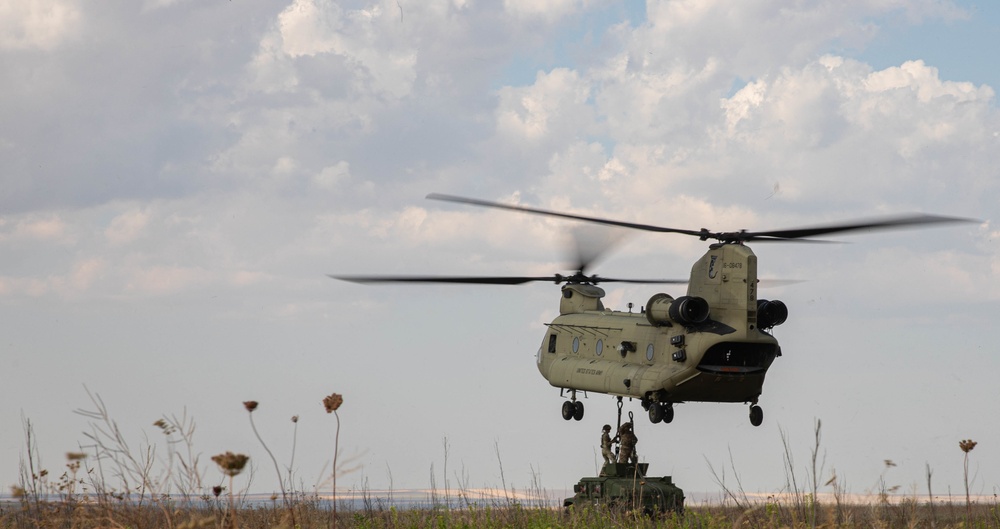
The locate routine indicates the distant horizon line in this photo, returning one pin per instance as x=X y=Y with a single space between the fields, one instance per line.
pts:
x=432 y=497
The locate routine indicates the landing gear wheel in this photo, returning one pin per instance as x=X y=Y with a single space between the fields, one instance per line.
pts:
x=568 y=410
x=756 y=415
x=668 y=413
x=655 y=412
x=578 y=410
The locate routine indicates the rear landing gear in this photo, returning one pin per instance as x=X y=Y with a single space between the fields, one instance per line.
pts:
x=661 y=412
x=756 y=415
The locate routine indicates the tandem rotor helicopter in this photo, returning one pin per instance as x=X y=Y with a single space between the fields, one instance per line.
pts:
x=713 y=344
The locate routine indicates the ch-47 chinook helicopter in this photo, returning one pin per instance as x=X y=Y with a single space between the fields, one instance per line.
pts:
x=713 y=344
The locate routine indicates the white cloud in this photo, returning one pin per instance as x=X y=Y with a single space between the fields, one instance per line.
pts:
x=313 y=27
x=37 y=24
x=41 y=227
x=838 y=123
x=545 y=9
x=127 y=226
x=162 y=280
x=86 y=272
x=555 y=105
x=333 y=176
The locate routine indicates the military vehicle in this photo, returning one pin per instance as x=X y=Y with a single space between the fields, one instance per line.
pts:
x=713 y=344
x=627 y=487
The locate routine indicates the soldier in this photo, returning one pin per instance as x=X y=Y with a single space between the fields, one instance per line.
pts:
x=628 y=442
x=606 y=445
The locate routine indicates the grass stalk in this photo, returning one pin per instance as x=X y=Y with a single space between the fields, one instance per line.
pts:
x=250 y=406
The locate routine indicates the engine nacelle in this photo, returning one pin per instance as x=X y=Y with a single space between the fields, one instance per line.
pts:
x=662 y=309
x=770 y=313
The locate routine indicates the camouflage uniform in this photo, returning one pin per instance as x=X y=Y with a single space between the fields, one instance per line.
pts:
x=628 y=441
x=609 y=456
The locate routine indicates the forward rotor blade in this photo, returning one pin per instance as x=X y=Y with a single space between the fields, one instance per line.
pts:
x=484 y=280
x=538 y=211
x=501 y=280
x=875 y=224
x=640 y=281
x=590 y=243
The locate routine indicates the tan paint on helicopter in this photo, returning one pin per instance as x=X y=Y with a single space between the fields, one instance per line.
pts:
x=726 y=277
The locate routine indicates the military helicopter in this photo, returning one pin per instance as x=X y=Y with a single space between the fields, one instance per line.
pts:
x=713 y=344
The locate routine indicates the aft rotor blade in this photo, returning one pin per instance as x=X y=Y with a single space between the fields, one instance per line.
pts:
x=876 y=224
x=539 y=211
x=474 y=280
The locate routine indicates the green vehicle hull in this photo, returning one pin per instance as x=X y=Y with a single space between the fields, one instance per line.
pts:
x=624 y=486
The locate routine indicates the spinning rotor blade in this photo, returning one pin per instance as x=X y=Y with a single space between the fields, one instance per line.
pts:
x=875 y=224
x=537 y=211
x=501 y=280
x=640 y=281
x=475 y=280
x=590 y=243
x=787 y=235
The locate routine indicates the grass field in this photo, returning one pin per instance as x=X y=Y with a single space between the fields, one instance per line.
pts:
x=114 y=486
x=208 y=513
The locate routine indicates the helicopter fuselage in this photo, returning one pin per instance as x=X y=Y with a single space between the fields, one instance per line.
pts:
x=707 y=346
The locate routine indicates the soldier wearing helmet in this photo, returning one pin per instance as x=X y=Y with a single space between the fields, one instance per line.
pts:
x=628 y=442
x=609 y=456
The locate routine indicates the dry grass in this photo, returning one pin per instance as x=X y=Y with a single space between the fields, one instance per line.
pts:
x=110 y=484
x=313 y=514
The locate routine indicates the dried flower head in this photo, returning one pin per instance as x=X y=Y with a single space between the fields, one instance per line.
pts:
x=295 y=418
x=250 y=405
x=216 y=490
x=231 y=464
x=332 y=402
x=18 y=492
x=76 y=456
x=165 y=426
x=967 y=445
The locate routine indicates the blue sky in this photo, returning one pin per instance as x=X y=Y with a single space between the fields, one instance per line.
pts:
x=179 y=177
x=957 y=48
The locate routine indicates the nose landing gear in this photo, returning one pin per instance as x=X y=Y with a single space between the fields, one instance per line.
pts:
x=756 y=415
x=572 y=409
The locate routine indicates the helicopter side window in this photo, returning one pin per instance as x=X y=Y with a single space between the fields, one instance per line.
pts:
x=552 y=343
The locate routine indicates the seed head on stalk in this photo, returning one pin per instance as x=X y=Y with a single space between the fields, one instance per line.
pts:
x=332 y=402
x=231 y=465
x=967 y=445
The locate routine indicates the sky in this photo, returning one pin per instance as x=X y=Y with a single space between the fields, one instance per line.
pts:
x=178 y=177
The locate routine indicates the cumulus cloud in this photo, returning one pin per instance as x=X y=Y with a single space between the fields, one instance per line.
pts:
x=307 y=28
x=127 y=227
x=554 y=106
x=160 y=280
x=38 y=24
x=52 y=228
x=545 y=9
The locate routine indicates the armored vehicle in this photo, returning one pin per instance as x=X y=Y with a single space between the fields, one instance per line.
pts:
x=626 y=486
